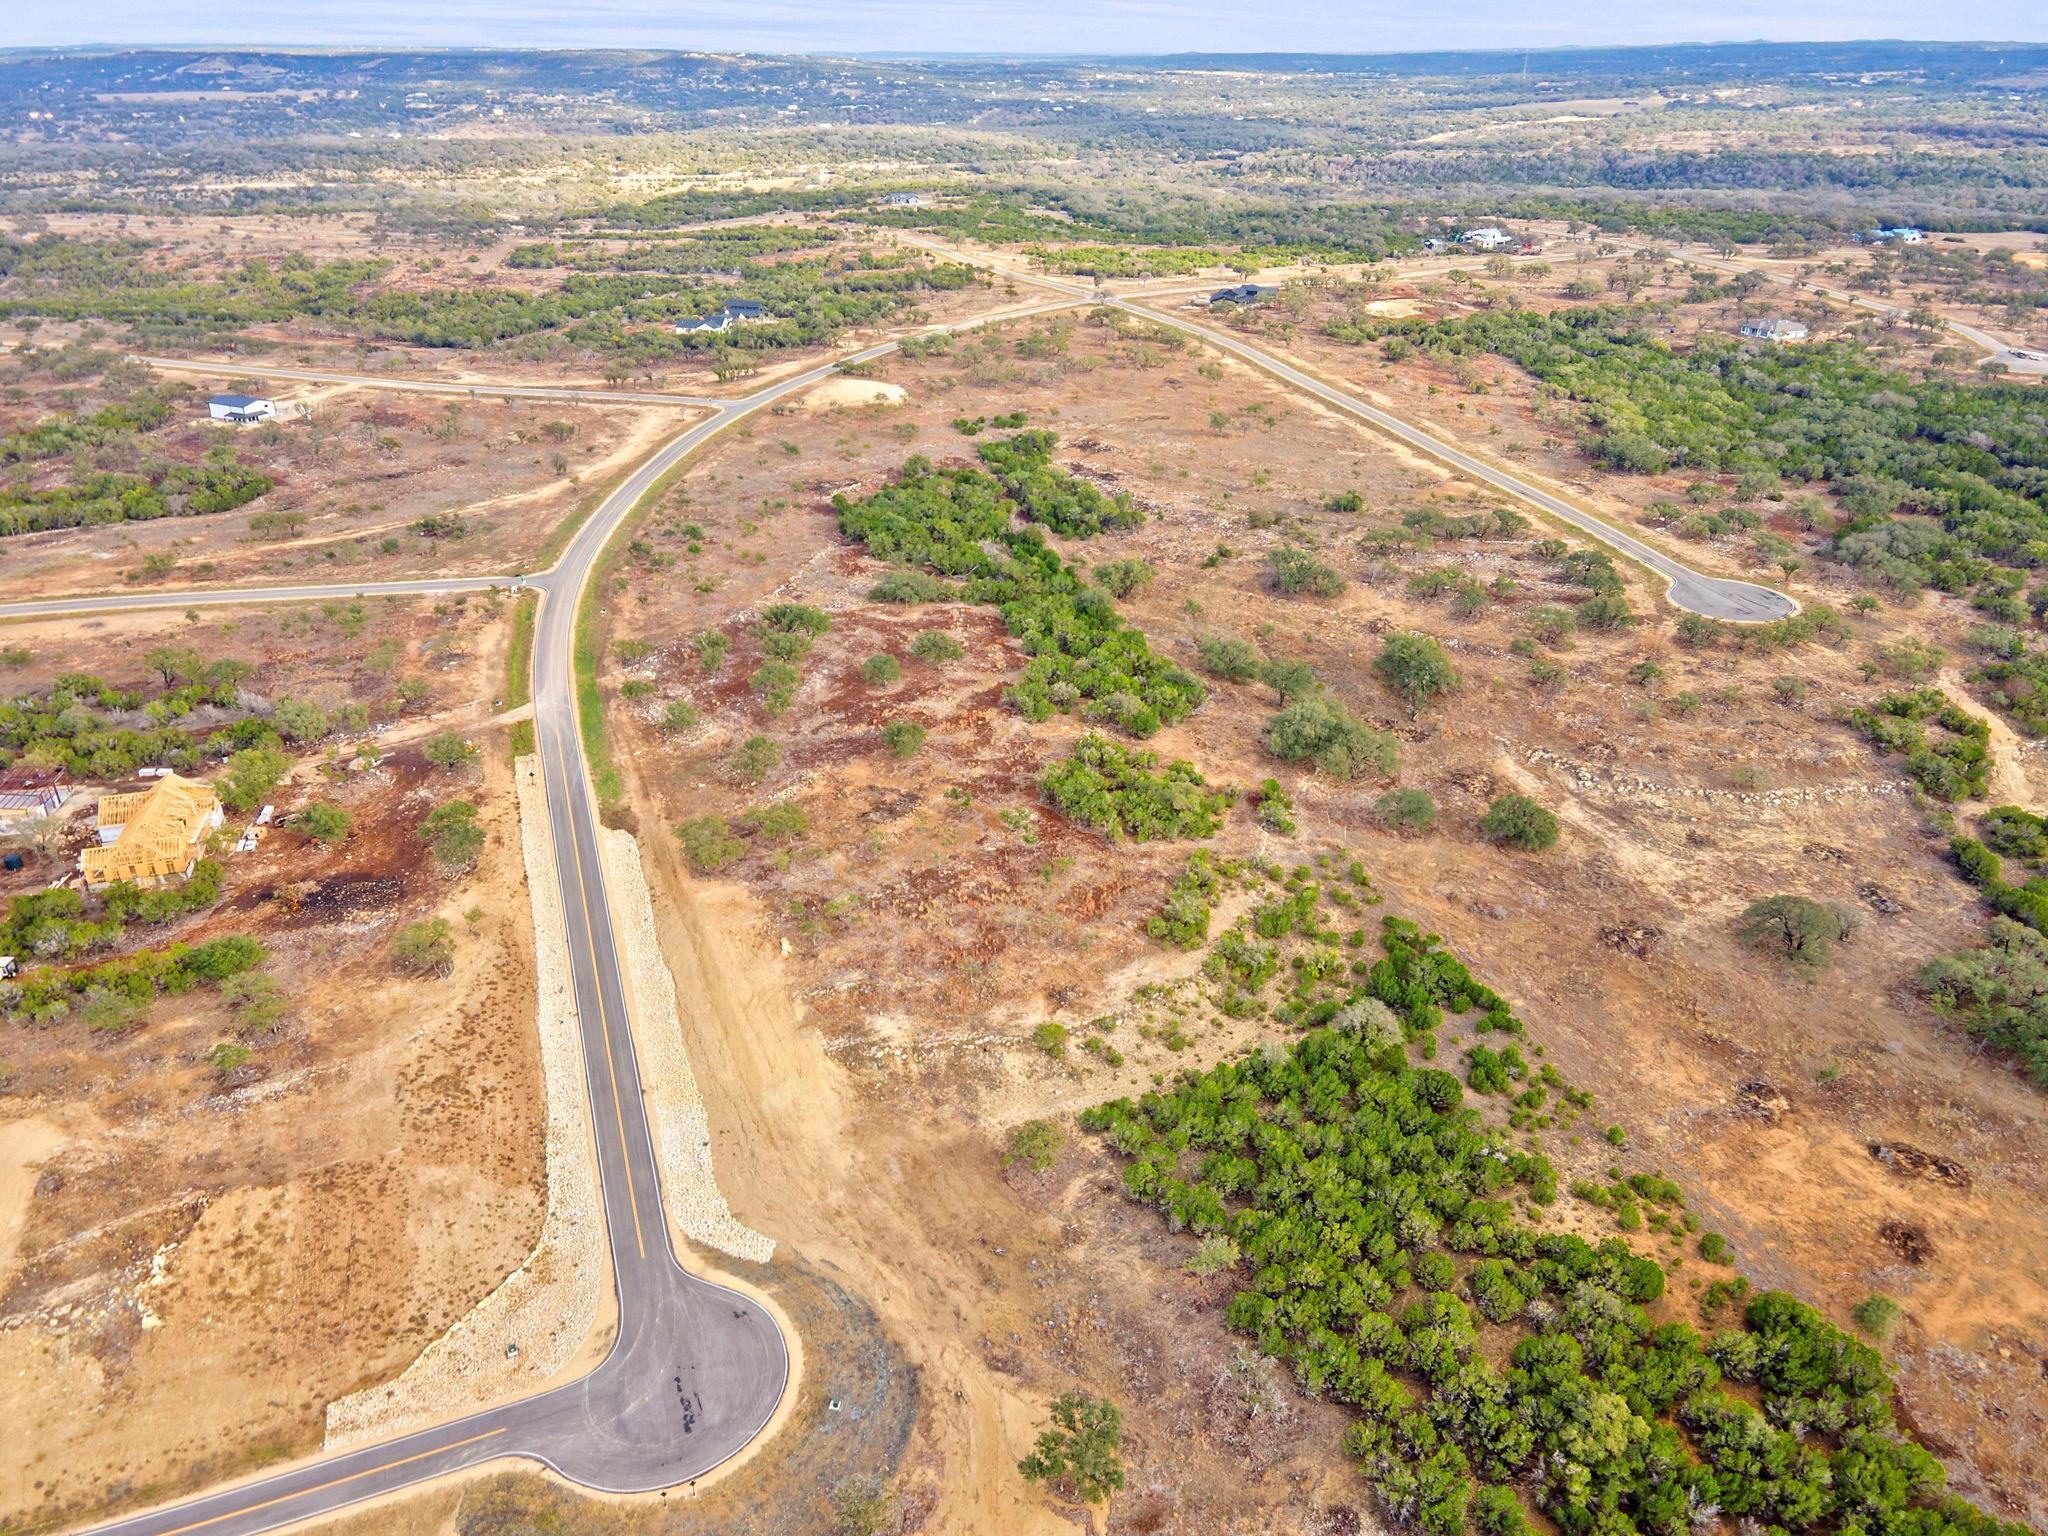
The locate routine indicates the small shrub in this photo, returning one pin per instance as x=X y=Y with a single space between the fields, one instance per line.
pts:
x=1037 y=1143
x=425 y=948
x=1051 y=1038
x=708 y=843
x=1227 y=657
x=757 y=757
x=936 y=646
x=880 y=670
x=1416 y=668
x=903 y=738
x=452 y=833
x=1520 y=822
x=679 y=717
x=1405 y=810
x=1876 y=1316
x=325 y=822
x=1120 y=578
x=1299 y=573
x=447 y=751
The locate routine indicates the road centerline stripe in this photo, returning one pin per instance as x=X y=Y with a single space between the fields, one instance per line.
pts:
x=335 y=1482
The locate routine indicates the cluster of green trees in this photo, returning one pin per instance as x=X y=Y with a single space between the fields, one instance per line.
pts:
x=808 y=300
x=1943 y=481
x=128 y=984
x=1047 y=495
x=956 y=534
x=1951 y=766
x=55 y=436
x=1114 y=790
x=1999 y=991
x=1371 y=1211
x=96 y=497
x=72 y=724
x=722 y=250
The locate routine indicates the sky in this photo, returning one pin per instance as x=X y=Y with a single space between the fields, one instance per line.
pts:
x=1007 y=26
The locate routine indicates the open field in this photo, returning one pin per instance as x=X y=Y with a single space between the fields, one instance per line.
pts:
x=925 y=904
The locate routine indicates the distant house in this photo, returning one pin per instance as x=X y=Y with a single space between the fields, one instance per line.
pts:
x=240 y=409
x=1486 y=238
x=32 y=792
x=1776 y=328
x=151 y=834
x=734 y=313
x=1243 y=293
x=903 y=200
x=1435 y=243
x=1898 y=234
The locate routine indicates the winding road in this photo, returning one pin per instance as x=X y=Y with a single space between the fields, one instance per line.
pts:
x=697 y=1370
x=1715 y=597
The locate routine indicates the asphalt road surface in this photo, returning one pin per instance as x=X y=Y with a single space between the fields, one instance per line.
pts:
x=1716 y=597
x=257 y=369
x=697 y=1369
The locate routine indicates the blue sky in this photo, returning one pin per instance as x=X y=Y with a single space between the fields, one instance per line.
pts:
x=1036 y=26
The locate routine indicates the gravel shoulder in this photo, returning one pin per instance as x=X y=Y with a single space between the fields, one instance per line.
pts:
x=534 y=1326
x=696 y=1207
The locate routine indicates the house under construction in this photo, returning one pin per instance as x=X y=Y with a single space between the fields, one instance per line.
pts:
x=151 y=834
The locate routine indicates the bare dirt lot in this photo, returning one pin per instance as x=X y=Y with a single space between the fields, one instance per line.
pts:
x=366 y=485
x=201 y=1252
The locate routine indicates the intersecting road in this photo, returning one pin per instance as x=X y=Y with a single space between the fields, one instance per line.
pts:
x=697 y=1369
x=1716 y=597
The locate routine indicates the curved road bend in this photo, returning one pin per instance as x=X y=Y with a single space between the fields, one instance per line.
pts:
x=1717 y=597
x=697 y=1369
x=262 y=370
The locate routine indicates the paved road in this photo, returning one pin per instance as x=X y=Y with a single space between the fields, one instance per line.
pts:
x=1717 y=597
x=697 y=1369
x=213 y=597
x=257 y=369
x=1995 y=348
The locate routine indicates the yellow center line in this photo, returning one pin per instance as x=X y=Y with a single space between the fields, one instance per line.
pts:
x=282 y=1498
x=604 y=1022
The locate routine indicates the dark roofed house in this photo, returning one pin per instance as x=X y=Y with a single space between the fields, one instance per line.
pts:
x=240 y=409
x=717 y=322
x=1243 y=293
x=746 y=309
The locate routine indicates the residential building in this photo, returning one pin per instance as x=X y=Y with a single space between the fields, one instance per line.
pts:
x=240 y=409
x=1775 y=328
x=1898 y=234
x=26 y=792
x=735 y=312
x=1243 y=293
x=1486 y=238
x=903 y=200
x=151 y=834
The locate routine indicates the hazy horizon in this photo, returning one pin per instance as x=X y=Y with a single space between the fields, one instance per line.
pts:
x=1047 y=28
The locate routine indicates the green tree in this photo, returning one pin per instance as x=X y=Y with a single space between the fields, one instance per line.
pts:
x=1319 y=730
x=1416 y=668
x=1080 y=1448
x=1521 y=823
x=447 y=751
x=880 y=670
x=1797 y=928
x=1120 y=578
